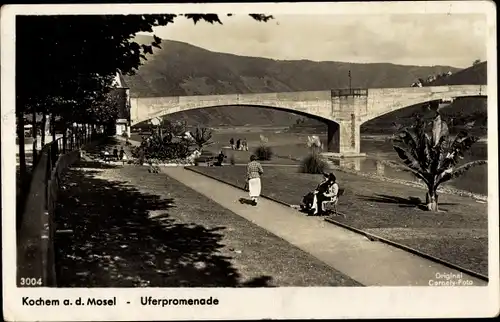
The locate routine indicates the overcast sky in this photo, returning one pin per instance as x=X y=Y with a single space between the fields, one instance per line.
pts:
x=417 y=39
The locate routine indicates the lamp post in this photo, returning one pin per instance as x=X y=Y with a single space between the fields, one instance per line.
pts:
x=350 y=83
x=74 y=137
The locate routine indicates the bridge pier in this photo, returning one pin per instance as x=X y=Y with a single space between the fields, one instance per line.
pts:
x=344 y=134
x=333 y=138
x=344 y=139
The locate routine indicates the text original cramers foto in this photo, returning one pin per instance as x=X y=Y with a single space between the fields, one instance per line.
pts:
x=145 y=300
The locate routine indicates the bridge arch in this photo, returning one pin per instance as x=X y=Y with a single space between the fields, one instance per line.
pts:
x=333 y=127
x=276 y=108
x=315 y=103
x=378 y=103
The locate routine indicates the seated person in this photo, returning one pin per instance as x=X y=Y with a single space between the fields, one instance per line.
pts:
x=327 y=192
x=320 y=189
x=325 y=179
x=332 y=194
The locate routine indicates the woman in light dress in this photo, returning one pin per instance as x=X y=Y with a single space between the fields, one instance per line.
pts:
x=254 y=172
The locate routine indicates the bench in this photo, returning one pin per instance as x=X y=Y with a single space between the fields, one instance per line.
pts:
x=107 y=157
x=209 y=160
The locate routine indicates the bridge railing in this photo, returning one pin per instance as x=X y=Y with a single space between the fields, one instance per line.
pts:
x=349 y=92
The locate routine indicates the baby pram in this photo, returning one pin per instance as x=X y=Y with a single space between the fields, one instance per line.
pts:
x=308 y=203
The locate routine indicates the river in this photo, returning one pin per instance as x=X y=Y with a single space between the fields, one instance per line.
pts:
x=377 y=149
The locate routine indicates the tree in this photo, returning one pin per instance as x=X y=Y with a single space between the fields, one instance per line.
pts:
x=434 y=156
x=64 y=62
x=70 y=49
x=105 y=108
x=202 y=137
x=79 y=55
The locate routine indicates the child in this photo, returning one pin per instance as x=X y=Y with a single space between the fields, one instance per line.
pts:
x=123 y=156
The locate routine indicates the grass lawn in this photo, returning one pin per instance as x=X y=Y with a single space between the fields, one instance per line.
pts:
x=132 y=228
x=458 y=235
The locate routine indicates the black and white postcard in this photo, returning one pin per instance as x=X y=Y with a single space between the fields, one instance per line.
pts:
x=249 y=161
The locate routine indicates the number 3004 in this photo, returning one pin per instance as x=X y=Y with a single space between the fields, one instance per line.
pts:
x=31 y=281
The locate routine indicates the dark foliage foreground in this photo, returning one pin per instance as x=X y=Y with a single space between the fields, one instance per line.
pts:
x=116 y=244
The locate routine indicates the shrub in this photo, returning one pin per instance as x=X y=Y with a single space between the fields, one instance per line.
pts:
x=314 y=164
x=263 y=153
x=232 y=161
x=158 y=148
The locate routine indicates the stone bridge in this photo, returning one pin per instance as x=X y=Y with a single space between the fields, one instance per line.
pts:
x=344 y=110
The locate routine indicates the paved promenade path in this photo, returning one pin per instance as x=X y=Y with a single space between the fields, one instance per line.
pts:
x=368 y=262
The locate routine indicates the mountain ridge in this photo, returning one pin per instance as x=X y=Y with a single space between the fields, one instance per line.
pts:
x=181 y=69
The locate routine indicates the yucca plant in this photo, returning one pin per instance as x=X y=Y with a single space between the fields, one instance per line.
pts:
x=314 y=144
x=202 y=137
x=313 y=163
x=433 y=157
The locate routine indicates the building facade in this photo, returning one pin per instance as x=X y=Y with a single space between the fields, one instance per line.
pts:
x=123 y=93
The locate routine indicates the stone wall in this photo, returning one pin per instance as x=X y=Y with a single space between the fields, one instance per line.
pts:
x=35 y=238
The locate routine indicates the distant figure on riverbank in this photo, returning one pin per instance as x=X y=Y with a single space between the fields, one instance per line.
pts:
x=238 y=144
x=231 y=143
x=220 y=159
x=122 y=153
x=115 y=153
x=254 y=172
x=244 y=145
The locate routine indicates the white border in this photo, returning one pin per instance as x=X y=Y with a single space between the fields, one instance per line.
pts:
x=275 y=303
